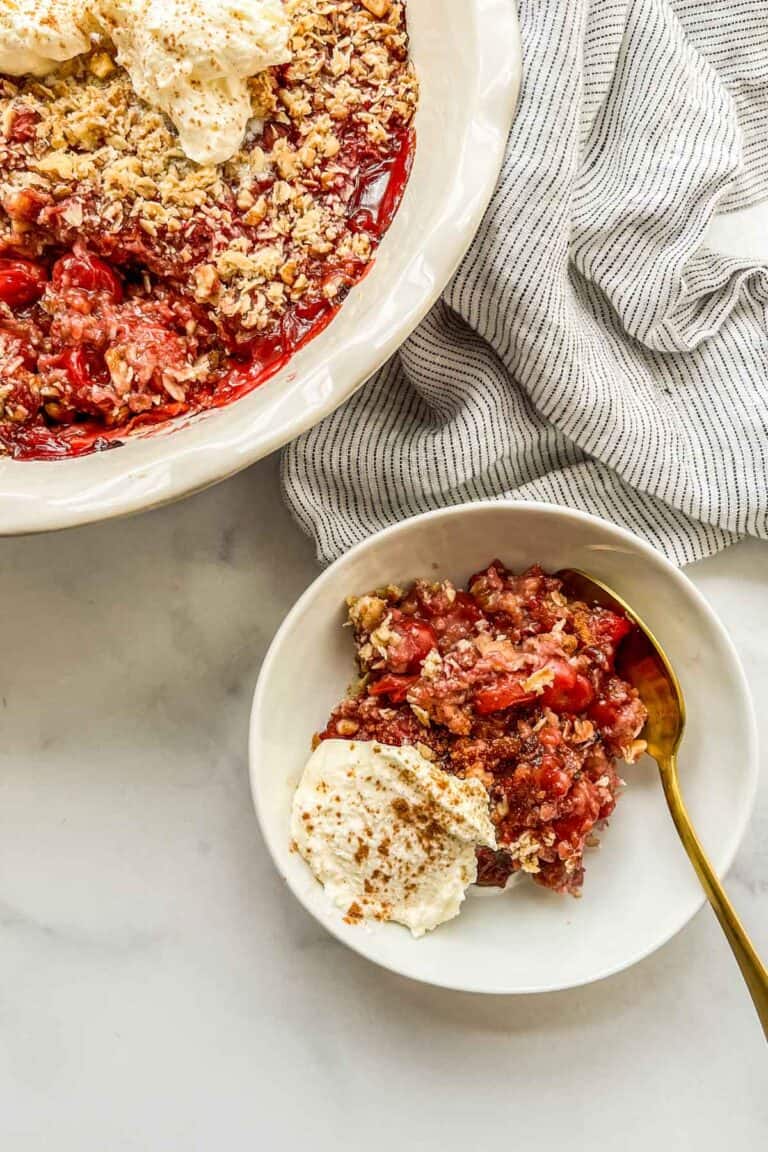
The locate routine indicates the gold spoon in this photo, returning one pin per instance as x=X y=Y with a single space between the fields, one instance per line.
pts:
x=641 y=661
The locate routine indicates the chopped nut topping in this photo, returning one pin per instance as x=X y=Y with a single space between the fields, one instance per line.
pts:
x=348 y=727
x=378 y=8
x=539 y=680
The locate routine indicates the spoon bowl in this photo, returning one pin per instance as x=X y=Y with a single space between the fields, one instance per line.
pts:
x=642 y=661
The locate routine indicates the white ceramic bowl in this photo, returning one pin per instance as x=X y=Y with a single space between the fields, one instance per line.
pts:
x=467 y=55
x=639 y=889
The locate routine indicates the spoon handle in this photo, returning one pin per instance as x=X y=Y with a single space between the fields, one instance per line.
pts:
x=752 y=968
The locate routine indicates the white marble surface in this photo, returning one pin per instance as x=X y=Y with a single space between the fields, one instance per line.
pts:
x=160 y=991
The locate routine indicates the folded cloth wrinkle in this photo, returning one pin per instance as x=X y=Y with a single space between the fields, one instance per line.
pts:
x=592 y=349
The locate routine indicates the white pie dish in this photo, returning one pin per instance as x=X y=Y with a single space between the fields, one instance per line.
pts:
x=467 y=57
x=639 y=889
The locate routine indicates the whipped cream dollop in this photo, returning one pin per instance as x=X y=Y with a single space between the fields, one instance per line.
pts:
x=193 y=58
x=38 y=35
x=389 y=834
x=190 y=58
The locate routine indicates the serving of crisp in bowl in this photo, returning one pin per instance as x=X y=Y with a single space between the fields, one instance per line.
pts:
x=482 y=688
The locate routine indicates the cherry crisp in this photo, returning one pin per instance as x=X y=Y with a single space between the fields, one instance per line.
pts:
x=136 y=285
x=514 y=683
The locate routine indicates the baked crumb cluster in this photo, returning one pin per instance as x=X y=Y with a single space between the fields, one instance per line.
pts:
x=513 y=683
x=224 y=256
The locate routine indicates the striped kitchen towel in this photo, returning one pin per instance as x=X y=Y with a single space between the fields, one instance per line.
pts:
x=591 y=350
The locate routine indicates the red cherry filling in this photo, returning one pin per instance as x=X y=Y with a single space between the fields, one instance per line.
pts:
x=22 y=282
x=86 y=272
x=569 y=691
x=395 y=687
x=413 y=641
x=506 y=692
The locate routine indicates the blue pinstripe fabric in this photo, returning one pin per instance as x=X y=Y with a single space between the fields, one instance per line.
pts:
x=589 y=351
